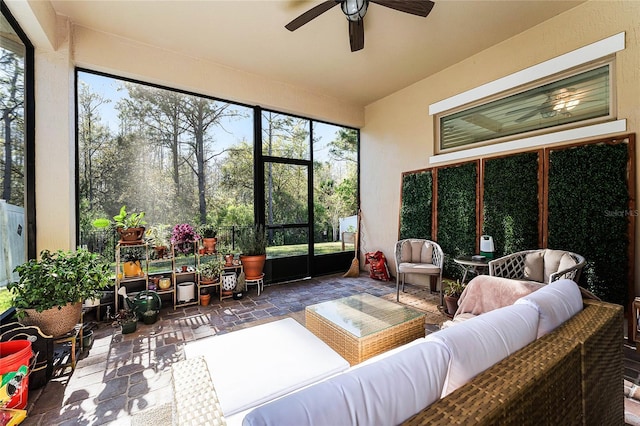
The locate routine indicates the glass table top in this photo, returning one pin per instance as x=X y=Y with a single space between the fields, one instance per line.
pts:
x=364 y=314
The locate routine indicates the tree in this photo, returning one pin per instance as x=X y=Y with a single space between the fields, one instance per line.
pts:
x=12 y=113
x=345 y=146
x=92 y=136
x=200 y=114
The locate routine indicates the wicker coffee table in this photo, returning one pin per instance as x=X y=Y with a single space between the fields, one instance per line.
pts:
x=359 y=327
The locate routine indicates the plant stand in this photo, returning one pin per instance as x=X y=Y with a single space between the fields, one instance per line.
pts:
x=258 y=282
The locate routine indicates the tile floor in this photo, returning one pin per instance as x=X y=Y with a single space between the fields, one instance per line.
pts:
x=123 y=375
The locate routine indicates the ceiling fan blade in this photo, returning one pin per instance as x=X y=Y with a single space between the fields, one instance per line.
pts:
x=414 y=7
x=310 y=14
x=528 y=115
x=356 y=35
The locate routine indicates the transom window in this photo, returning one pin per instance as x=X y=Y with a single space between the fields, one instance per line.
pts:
x=562 y=101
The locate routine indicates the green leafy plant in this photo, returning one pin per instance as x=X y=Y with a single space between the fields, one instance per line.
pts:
x=59 y=278
x=207 y=230
x=122 y=220
x=452 y=288
x=211 y=269
x=252 y=241
x=158 y=235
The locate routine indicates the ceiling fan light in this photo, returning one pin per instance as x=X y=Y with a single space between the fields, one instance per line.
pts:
x=354 y=10
x=572 y=104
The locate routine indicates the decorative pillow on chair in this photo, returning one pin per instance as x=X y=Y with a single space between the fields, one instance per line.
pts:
x=534 y=266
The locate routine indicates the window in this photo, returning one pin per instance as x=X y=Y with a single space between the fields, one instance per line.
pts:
x=16 y=146
x=179 y=157
x=185 y=158
x=559 y=102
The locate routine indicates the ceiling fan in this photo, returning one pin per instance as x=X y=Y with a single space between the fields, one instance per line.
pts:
x=355 y=10
x=558 y=102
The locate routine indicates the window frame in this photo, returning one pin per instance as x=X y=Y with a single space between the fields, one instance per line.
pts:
x=29 y=132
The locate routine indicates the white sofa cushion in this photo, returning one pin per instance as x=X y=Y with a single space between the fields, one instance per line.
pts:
x=416 y=251
x=386 y=392
x=269 y=360
x=482 y=341
x=556 y=303
x=534 y=266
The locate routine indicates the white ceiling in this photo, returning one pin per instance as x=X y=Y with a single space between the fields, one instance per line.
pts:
x=400 y=49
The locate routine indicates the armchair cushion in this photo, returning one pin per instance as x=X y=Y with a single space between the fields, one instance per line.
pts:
x=556 y=302
x=418 y=268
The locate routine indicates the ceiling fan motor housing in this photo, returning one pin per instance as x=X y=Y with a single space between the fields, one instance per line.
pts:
x=354 y=10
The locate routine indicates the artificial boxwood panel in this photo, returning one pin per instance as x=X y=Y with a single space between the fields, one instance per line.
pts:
x=511 y=208
x=456 y=214
x=588 y=214
x=415 y=210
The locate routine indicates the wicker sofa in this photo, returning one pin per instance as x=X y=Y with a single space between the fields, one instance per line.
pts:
x=570 y=376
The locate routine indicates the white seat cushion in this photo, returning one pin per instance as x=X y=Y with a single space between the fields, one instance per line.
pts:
x=556 y=303
x=482 y=341
x=418 y=268
x=255 y=365
x=385 y=392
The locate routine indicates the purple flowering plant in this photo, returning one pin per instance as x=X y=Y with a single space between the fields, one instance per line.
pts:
x=183 y=236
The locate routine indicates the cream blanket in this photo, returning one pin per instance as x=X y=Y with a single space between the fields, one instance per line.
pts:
x=485 y=293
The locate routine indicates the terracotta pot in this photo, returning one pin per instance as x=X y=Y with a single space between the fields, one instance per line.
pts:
x=131 y=235
x=451 y=303
x=253 y=265
x=228 y=260
x=210 y=244
x=55 y=322
x=204 y=299
x=132 y=269
x=161 y=251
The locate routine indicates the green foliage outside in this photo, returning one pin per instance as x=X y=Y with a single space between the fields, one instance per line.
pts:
x=588 y=214
x=182 y=158
x=456 y=214
x=511 y=202
x=415 y=210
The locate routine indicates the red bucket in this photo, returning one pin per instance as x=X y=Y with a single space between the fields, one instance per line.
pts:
x=14 y=367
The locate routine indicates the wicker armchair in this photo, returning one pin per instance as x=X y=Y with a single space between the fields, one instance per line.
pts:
x=418 y=256
x=542 y=265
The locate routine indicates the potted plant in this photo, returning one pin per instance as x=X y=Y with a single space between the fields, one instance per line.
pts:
x=158 y=237
x=131 y=266
x=210 y=272
x=183 y=236
x=452 y=291
x=50 y=291
x=208 y=233
x=127 y=319
x=129 y=225
x=252 y=242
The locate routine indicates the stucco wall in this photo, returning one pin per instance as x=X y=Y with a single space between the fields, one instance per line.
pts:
x=399 y=133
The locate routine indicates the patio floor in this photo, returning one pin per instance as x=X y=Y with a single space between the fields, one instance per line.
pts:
x=122 y=377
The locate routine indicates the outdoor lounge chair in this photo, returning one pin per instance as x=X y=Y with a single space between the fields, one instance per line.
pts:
x=542 y=265
x=418 y=256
